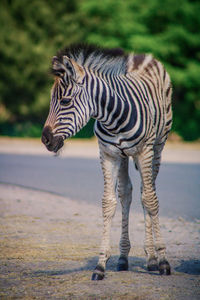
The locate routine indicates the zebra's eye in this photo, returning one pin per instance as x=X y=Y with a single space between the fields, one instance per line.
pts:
x=66 y=101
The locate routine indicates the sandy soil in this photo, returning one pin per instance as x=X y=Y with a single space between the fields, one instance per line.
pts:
x=49 y=244
x=49 y=247
x=174 y=151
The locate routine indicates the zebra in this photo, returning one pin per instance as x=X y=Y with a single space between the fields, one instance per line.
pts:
x=129 y=95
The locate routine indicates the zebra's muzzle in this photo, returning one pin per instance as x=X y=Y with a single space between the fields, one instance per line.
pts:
x=52 y=143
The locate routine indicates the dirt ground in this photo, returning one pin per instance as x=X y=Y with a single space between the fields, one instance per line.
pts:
x=49 y=246
x=175 y=151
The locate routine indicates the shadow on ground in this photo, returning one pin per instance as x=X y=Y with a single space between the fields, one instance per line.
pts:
x=136 y=264
x=191 y=266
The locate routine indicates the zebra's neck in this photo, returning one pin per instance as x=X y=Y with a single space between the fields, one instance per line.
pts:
x=108 y=102
x=122 y=118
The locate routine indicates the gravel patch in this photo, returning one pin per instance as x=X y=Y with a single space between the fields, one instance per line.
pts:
x=49 y=247
x=174 y=152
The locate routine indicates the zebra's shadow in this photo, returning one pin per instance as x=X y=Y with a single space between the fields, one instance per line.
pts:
x=136 y=265
x=191 y=267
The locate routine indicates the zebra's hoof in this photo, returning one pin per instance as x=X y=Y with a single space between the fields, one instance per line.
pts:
x=152 y=264
x=164 y=267
x=122 y=264
x=99 y=273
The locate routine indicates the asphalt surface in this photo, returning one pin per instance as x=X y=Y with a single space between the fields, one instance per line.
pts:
x=178 y=185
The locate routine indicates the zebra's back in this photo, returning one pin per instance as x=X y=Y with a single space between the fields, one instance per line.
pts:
x=159 y=89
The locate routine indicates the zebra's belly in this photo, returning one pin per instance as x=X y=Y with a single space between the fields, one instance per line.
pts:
x=123 y=149
x=133 y=151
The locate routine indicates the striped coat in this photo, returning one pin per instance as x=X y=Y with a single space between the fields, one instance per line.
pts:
x=130 y=98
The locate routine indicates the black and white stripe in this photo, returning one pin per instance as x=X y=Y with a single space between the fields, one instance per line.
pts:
x=127 y=94
x=130 y=98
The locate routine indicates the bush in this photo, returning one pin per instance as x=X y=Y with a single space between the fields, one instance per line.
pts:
x=24 y=129
x=32 y=32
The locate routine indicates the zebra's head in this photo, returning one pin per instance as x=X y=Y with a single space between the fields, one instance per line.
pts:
x=69 y=109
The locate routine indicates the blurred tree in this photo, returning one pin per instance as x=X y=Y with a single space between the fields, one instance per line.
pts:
x=32 y=32
x=169 y=31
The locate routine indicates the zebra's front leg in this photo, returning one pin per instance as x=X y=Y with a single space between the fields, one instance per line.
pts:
x=110 y=167
x=125 y=196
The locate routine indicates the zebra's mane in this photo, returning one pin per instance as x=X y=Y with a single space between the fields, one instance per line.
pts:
x=101 y=60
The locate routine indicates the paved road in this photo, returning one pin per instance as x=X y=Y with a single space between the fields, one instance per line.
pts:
x=178 y=185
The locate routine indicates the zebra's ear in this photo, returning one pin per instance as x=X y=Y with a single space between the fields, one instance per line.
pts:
x=69 y=66
x=74 y=70
x=58 y=68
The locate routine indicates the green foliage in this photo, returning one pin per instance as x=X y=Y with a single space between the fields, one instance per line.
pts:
x=31 y=32
x=87 y=131
x=24 y=129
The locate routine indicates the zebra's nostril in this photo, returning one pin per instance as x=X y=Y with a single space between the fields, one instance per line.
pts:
x=46 y=136
x=46 y=141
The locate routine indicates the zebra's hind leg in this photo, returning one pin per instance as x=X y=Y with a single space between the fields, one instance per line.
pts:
x=163 y=265
x=110 y=167
x=151 y=209
x=125 y=196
